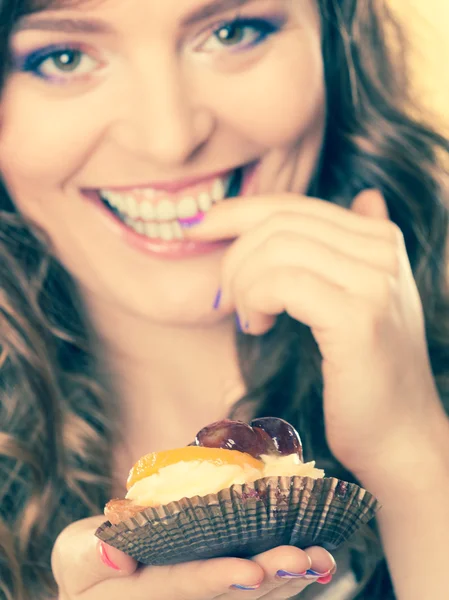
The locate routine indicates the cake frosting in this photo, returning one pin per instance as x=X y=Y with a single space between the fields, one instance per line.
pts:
x=199 y=478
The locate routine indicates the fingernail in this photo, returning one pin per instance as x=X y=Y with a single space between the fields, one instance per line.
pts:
x=217 y=300
x=242 y=326
x=238 y=323
x=290 y=575
x=316 y=574
x=105 y=558
x=245 y=588
x=191 y=221
x=325 y=580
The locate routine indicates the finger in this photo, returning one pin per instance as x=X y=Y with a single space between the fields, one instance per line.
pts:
x=80 y=569
x=229 y=219
x=322 y=561
x=197 y=580
x=371 y=250
x=287 y=251
x=80 y=561
x=289 y=570
x=372 y=204
x=305 y=296
x=279 y=559
x=279 y=562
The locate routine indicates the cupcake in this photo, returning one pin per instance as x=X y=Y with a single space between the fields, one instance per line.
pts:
x=237 y=490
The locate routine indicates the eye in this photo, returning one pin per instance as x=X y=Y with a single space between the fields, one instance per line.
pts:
x=60 y=64
x=239 y=34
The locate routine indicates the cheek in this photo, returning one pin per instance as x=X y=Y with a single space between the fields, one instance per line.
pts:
x=280 y=99
x=44 y=142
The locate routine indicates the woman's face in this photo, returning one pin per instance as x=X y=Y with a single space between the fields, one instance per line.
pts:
x=158 y=108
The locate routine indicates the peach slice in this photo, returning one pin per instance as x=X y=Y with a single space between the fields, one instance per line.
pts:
x=151 y=464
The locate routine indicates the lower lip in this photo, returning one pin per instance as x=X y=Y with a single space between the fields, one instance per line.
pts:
x=175 y=250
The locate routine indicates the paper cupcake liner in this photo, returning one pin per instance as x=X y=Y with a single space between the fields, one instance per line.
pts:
x=244 y=520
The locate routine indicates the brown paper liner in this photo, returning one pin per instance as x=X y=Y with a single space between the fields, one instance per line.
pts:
x=244 y=520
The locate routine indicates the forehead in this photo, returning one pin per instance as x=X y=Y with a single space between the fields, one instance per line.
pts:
x=95 y=14
x=55 y=5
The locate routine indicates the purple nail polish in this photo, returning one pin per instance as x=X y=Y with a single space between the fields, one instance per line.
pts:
x=217 y=300
x=245 y=588
x=316 y=574
x=238 y=323
x=289 y=575
x=191 y=221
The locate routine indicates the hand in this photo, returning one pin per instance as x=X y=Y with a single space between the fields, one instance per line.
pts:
x=345 y=274
x=86 y=569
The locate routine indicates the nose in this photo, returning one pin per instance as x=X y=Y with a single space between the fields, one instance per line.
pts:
x=160 y=119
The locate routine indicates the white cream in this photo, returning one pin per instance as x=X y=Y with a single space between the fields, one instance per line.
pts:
x=289 y=466
x=188 y=479
x=199 y=478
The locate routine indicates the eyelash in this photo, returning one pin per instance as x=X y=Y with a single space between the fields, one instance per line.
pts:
x=265 y=28
x=33 y=62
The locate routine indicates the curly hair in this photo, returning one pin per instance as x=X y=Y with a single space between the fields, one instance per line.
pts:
x=58 y=423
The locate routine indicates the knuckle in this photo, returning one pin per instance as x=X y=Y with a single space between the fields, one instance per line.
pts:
x=278 y=278
x=274 y=247
x=386 y=286
x=279 y=219
x=372 y=314
x=394 y=261
x=394 y=233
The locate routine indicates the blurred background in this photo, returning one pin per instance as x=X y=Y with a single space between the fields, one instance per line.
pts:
x=428 y=30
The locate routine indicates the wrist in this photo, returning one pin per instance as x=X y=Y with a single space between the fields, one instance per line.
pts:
x=416 y=460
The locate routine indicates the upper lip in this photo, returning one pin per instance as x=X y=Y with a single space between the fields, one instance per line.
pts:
x=169 y=186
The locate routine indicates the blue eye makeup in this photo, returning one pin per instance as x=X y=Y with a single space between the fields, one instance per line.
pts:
x=242 y=33
x=66 y=63
x=57 y=63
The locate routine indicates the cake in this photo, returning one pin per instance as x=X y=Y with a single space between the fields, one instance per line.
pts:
x=239 y=489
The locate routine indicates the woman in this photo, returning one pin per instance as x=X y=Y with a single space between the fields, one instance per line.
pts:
x=171 y=170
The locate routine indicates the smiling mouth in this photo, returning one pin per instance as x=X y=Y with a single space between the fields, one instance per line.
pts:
x=157 y=214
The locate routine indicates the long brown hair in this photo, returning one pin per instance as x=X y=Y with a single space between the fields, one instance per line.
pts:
x=57 y=423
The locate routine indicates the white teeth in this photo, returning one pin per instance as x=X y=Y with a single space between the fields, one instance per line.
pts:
x=177 y=231
x=218 y=190
x=132 y=208
x=165 y=211
x=154 y=216
x=112 y=197
x=166 y=232
x=140 y=227
x=131 y=223
x=151 y=230
x=204 y=201
x=147 y=211
x=187 y=208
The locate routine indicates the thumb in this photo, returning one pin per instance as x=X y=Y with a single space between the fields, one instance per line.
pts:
x=371 y=203
x=80 y=561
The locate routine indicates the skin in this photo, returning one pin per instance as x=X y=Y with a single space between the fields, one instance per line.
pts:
x=343 y=273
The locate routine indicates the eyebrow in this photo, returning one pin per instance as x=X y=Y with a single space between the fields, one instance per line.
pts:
x=75 y=25
x=66 y=25
x=212 y=9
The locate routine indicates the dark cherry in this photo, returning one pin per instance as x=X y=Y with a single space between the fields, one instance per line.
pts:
x=284 y=437
x=231 y=435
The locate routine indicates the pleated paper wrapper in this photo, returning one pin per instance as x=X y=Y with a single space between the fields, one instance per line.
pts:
x=244 y=520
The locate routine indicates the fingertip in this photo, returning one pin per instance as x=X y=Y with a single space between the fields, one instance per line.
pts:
x=244 y=573
x=322 y=560
x=283 y=559
x=371 y=203
x=116 y=560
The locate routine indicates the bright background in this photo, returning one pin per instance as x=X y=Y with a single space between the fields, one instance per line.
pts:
x=428 y=26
